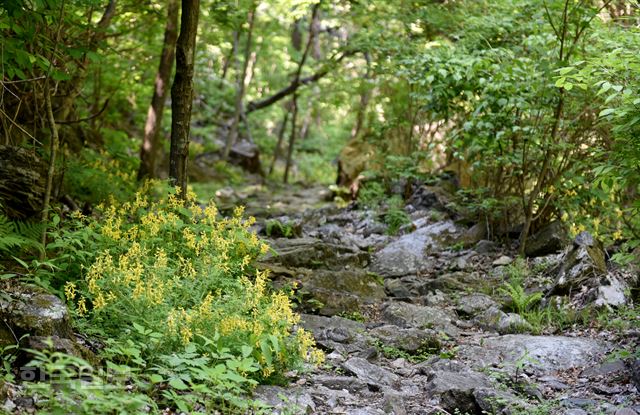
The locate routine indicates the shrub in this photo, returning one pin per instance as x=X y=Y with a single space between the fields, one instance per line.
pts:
x=181 y=270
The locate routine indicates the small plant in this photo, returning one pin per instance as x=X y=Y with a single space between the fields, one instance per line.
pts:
x=395 y=216
x=353 y=315
x=276 y=228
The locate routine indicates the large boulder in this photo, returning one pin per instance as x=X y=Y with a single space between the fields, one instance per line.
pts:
x=409 y=254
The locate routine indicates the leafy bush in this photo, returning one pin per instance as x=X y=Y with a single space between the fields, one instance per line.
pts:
x=182 y=271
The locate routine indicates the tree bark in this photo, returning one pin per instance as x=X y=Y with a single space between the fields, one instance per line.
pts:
x=151 y=146
x=242 y=76
x=276 y=152
x=182 y=95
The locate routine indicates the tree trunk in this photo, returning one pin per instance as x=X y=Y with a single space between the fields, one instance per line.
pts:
x=182 y=95
x=365 y=96
x=151 y=146
x=276 y=152
x=242 y=75
x=296 y=80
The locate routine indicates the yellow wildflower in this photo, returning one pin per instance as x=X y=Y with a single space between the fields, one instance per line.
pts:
x=70 y=291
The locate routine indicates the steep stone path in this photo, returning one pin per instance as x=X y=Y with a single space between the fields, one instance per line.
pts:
x=413 y=324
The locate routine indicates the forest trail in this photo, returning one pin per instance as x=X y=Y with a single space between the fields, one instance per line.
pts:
x=416 y=324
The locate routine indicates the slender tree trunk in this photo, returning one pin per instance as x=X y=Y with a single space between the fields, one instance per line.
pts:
x=292 y=137
x=365 y=96
x=296 y=80
x=233 y=133
x=182 y=95
x=276 y=152
x=151 y=146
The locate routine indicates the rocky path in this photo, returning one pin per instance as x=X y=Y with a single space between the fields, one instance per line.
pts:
x=416 y=323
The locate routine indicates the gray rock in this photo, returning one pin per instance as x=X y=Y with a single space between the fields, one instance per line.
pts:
x=608 y=369
x=625 y=411
x=581 y=264
x=494 y=319
x=454 y=391
x=393 y=403
x=575 y=411
x=408 y=254
x=548 y=240
x=485 y=247
x=543 y=353
x=336 y=329
x=340 y=291
x=503 y=260
x=611 y=292
x=285 y=400
x=371 y=374
x=312 y=253
x=414 y=316
x=30 y=310
x=472 y=304
x=397 y=288
x=349 y=383
x=429 y=197
x=492 y=401
x=409 y=340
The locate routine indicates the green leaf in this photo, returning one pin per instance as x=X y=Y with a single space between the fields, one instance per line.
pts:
x=177 y=383
x=606 y=111
x=156 y=378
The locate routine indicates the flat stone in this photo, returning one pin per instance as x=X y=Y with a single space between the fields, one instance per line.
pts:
x=371 y=374
x=473 y=304
x=409 y=254
x=420 y=317
x=409 y=340
x=543 y=353
x=503 y=260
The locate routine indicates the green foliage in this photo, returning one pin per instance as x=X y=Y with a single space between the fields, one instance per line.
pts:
x=17 y=236
x=395 y=215
x=274 y=227
x=183 y=271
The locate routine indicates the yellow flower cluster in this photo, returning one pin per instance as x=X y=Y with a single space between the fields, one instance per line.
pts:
x=164 y=261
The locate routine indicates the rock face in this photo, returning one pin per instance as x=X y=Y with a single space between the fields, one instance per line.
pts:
x=584 y=261
x=549 y=240
x=409 y=254
x=583 y=273
x=35 y=312
x=544 y=353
